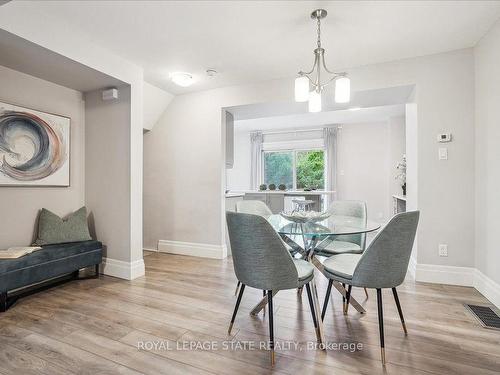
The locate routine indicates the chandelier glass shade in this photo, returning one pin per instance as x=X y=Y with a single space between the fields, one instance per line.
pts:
x=309 y=85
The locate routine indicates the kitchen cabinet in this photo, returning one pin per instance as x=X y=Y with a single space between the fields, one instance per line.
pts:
x=229 y=123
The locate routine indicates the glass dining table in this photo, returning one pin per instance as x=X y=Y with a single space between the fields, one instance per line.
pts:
x=307 y=241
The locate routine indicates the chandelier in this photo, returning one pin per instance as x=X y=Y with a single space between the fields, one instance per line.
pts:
x=313 y=78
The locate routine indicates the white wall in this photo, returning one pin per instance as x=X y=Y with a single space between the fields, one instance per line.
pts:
x=184 y=154
x=364 y=168
x=487 y=73
x=396 y=128
x=20 y=205
x=155 y=102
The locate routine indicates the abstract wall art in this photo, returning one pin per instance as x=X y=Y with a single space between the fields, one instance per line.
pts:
x=34 y=147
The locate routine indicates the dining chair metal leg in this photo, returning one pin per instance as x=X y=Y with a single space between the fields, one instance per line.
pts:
x=236 y=308
x=327 y=299
x=271 y=325
x=299 y=291
x=263 y=293
x=311 y=306
x=400 y=311
x=381 y=324
x=343 y=298
x=348 y=299
x=366 y=292
x=237 y=287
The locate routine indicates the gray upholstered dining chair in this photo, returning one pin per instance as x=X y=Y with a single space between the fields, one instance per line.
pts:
x=261 y=261
x=256 y=207
x=382 y=265
x=352 y=243
x=253 y=207
x=349 y=243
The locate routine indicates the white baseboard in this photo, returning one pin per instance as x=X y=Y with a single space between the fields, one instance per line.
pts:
x=487 y=287
x=123 y=270
x=432 y=273
x=412 y=267
x=463 y=276
x=150 y=249
x=192 y=249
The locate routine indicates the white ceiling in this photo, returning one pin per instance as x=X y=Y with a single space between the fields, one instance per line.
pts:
x=249 y=41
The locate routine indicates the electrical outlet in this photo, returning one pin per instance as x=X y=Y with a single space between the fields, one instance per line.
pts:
x=443 y=250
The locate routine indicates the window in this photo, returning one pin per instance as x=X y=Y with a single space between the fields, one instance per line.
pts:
x=310 y=167
x=297 y=169
x=278 y=168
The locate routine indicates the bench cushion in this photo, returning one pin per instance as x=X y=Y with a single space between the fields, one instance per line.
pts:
x=51 y=261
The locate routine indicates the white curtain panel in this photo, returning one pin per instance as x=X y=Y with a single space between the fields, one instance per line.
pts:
x=330 y=139
x=256 y=139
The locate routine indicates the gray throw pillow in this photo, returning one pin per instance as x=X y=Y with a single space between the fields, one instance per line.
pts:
x=53 y=230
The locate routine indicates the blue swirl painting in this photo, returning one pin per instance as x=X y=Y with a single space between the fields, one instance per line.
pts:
x=34 y=147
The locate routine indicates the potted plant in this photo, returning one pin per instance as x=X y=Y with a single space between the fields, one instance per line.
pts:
x=401 y=176
x=272 y=187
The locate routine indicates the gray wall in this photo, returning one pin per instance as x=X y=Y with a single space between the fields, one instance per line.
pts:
x=20 y=205
x=107 y=168
x=487 y=72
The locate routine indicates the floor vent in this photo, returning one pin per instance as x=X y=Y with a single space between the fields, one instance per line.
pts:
x=485 y=316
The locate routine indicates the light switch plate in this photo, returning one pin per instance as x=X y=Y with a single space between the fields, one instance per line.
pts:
x=443 y=153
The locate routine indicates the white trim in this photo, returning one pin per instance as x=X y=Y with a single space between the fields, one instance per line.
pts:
x=123 y=270
x=463 y=276
x=412 y=267
x=487 y=287
x=431 y=273
x=193 y=249
x=150 y=249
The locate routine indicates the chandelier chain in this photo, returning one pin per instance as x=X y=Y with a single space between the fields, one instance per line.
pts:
x=319 y=33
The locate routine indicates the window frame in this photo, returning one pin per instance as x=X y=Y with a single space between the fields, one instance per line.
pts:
x=294 y=151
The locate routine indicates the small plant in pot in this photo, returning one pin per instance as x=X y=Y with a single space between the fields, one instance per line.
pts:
x=282 y=187
x=401 y=176
x=263 y=187
x=272 y=187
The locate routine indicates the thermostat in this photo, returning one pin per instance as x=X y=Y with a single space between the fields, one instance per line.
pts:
x=444 y=137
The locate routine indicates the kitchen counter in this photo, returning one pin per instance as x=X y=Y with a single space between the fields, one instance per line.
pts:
x=288 y=192
x=234 y=195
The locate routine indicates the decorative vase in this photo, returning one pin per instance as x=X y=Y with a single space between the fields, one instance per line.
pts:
x=404 y=188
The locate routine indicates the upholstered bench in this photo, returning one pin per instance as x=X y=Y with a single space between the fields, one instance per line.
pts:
x=52 y=261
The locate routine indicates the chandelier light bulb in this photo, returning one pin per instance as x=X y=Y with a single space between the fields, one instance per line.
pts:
x=342 y=90
x=301 y=89
x=314 y=101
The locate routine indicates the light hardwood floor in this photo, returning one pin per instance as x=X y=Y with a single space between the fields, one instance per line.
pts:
x=95 y=327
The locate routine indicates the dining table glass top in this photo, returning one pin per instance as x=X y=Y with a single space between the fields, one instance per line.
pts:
x=335 y=225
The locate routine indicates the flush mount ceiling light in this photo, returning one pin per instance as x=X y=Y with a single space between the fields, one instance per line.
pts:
x=312 y=78
x=182 y=79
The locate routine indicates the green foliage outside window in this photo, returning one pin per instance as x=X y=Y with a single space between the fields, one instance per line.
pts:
x=310 y=169
x=278 y=168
